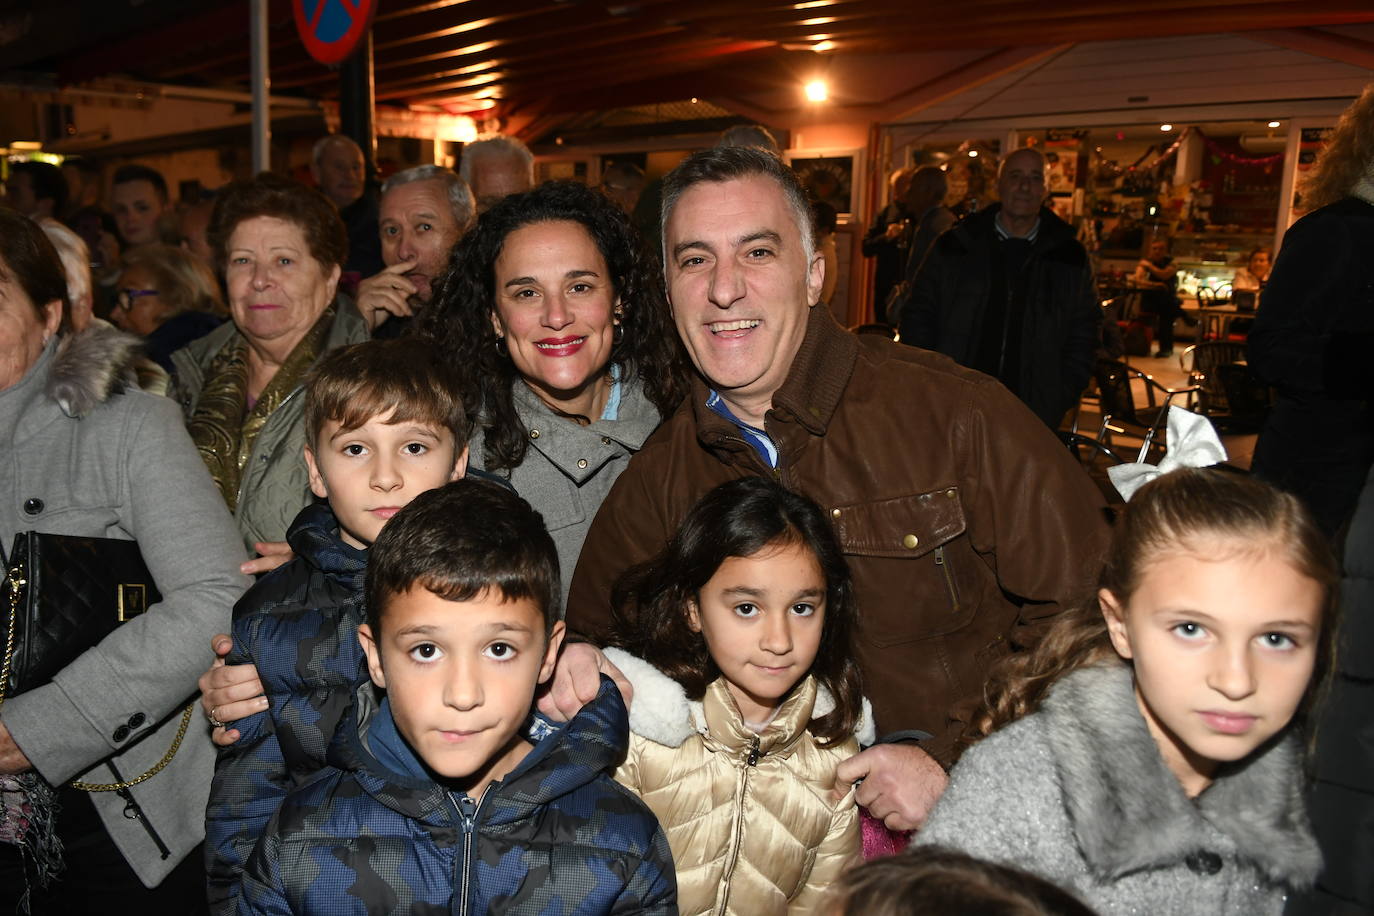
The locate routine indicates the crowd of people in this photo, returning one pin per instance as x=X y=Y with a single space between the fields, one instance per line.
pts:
x=521 y=561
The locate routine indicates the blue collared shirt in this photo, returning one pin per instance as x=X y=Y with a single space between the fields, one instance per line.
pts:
x=754 y=436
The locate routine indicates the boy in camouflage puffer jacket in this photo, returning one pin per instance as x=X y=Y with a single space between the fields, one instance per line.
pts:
x=436 y=801
x=384 y=422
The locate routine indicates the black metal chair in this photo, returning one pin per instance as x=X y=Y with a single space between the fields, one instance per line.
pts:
x=1095 y=458
x=1120 y=413
x=1247 y=398
x=1229 y=394
x=1200 y=361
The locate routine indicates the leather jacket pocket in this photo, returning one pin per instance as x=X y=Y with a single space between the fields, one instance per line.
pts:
x=917 y=530
x=901 y=527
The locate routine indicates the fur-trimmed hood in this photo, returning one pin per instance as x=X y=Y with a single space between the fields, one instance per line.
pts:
x=661 y=711
x=93 y=365
x=1129 y=812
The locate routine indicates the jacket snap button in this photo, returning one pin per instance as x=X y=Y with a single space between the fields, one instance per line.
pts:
x=835 y=512
x=582 y=463
x=534 y=434
x=950 y=493
x=33 y=505
x=605 y=440
x=910 y=541
x=137 y=720
x=1203 y=863
x=121 y=733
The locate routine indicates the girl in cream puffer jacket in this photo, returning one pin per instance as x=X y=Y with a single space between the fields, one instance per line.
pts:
x=736 y=640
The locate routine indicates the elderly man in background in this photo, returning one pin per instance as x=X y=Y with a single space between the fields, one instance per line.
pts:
x=424 y=211
x=337 y=165
x=887 y=239
x=495 y=167
x=966 y=532
x=138 y=198
x=1010 y=292
x=623 y=182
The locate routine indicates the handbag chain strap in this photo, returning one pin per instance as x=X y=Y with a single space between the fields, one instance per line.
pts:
x=16 y=581
x=156 y=768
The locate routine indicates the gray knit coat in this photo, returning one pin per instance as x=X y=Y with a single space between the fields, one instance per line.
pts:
x=1078 y=793
x=78 y=457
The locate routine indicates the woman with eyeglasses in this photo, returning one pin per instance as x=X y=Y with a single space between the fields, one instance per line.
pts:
x=168 y=297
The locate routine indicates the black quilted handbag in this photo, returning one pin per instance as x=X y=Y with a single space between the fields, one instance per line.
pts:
x=72 y=592
x=63 y=595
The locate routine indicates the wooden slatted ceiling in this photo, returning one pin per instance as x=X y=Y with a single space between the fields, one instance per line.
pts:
x=569 y=56
x=1191 y=70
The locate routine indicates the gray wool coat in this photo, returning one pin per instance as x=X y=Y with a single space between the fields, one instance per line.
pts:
x=1078 y=794
x=79 y=458
x=568 y=468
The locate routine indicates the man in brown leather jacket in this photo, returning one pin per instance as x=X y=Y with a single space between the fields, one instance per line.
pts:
x=966 y=524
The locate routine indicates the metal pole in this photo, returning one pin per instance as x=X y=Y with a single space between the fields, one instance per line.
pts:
x=262 y=123
x=356 y=100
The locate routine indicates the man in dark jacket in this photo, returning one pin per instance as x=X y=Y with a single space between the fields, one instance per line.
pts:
x=965 y=523
x=1010 y=292
x=337 y=164
x=888 y=239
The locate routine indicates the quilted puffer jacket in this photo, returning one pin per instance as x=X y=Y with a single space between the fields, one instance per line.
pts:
x=750 y=817
x=299 y=626
x=555 y=837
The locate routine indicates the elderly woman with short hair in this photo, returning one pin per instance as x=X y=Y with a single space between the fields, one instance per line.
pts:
x=282 y=247
x=86 y=454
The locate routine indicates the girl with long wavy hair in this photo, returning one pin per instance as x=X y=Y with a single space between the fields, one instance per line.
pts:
x=1148 y=753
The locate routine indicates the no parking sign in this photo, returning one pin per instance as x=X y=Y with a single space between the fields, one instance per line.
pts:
x=331 y=29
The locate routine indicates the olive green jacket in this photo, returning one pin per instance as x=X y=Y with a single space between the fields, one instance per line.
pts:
x=274 y=485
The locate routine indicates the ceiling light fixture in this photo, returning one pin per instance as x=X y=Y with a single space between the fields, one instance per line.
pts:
x=973 y=154
x=817 y=91
x=1166 y=127
x=1273 y=123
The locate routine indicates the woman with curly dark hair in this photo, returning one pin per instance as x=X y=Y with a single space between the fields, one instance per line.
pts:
x=556 y=315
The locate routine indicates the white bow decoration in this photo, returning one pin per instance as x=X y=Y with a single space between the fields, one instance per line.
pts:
x=1192 y=443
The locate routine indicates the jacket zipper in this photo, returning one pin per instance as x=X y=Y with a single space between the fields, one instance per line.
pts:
x=466 y=809
x=750 y=762
x=135 y=813
x=1006 y=325
x=949 y=576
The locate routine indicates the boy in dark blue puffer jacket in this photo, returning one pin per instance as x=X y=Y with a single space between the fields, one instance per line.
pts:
x=443 y=799
x=384 y=422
